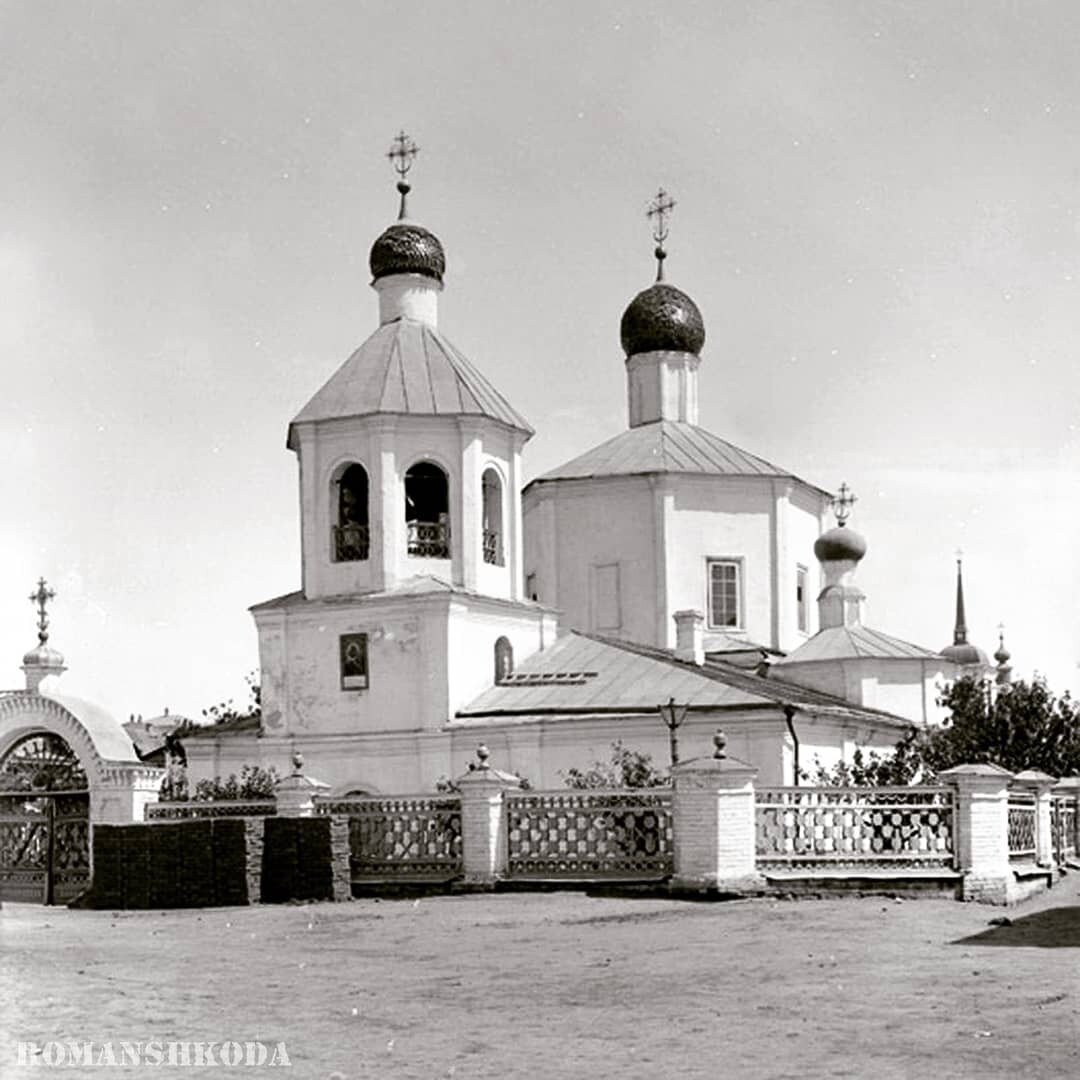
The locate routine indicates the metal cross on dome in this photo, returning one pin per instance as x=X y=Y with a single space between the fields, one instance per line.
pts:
x=842 y=503
x=659 y=210
x=41 y=596
x=401 y=154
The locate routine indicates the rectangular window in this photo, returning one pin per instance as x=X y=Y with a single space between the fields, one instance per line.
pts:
x=354 y=669
x=605 y=597
x=725 y=588
x=801 y=599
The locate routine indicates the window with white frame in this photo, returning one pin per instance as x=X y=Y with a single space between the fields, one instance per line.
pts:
x=801 y=600
x=725 y=593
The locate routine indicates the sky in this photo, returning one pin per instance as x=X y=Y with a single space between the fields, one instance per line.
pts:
x=877 y=215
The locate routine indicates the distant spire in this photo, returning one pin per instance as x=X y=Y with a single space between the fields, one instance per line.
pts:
x=658 y=212
x=402 y=153
x=1003 y=656
x=960 y=629
x=842 y=503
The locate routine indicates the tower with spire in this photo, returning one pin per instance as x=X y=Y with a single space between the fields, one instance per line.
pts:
x=411 y=565
x=666 y=516
x=969 y=659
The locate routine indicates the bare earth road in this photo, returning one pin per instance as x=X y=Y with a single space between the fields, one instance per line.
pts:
x=563 y=985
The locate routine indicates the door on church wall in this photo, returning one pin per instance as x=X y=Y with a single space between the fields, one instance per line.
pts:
x=44 y=822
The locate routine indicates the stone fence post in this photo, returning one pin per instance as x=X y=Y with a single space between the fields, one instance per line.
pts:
x=483 y=822
x=714 y=824
x=295 y=794
x=1038 y=784
x=1068 y=787
x=981 y=830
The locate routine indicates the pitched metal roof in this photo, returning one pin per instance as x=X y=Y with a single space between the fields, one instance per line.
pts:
x=408 y=367
x=588 y=674
x=666 y=446
x=855 y=643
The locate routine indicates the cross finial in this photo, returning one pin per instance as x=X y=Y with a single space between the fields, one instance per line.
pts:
x=401 y=154
x=842 y=504
x=658 y=212
x=959 y=556
x=41 y=596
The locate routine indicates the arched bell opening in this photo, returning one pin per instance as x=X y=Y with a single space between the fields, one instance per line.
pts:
x=492 y=501
x=427 y=511
x=351 y=540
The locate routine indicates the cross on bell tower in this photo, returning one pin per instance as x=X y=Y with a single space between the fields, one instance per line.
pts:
x=659 y=210
x=402 y=154
x=844 y=500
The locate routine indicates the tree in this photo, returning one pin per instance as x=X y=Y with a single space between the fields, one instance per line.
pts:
x=253 y=783
x=625 y=768
x=1025 y=727
x=226 y=710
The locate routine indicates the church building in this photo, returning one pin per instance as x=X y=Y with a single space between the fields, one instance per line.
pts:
x=649 y=590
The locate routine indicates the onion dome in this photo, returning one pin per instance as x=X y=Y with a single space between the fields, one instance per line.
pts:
x=1001 y=654
x=662 y=318
x=964 y=653
x=42 y=656
x=406 y=248
x=840 y=544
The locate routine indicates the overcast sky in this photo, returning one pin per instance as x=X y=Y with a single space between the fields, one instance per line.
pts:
x=877 y=214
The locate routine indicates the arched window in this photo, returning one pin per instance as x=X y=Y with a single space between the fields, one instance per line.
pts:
x=491 y=488
x=427 y=511
x=351 y=530
x=504 y=659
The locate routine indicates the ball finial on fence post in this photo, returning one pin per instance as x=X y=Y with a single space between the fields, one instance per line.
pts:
x=719 y=740
x=482 y=755
x=298 y=763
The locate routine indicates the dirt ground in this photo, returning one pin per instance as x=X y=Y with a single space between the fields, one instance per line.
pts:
x=564 y=985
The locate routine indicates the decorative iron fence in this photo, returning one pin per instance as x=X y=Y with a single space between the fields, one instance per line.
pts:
x=1063 y=821
x=405 y=836
x=210 y=808
x=491 y=548
x=429 y=539
x=589 y=834
x=350 y=543
x=1022 y=826
x=894 y=827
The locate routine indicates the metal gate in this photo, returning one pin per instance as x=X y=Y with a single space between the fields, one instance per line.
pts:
x=44 y=822
x=44 y=846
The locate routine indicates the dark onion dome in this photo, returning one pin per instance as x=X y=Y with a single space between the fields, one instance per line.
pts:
x=662 y=318
x=1002 y=655
x=839 y=544
x=963 y=654
x=405 y=248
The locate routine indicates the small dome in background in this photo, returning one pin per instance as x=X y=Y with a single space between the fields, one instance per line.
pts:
x=839 y=544
x=964 y=653
x=405 y=248
x=662 y=318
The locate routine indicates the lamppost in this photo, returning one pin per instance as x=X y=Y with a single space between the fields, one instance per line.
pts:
x=673 y=718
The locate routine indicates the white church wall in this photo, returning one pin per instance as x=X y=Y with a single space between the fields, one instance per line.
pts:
x=801 y=513
x=578 y=529
x=726 y=519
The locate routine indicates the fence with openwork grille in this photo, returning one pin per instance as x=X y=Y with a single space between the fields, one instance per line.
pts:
x=210 y=808
x=897 y=827
x=1063 y=820
x=1022 y=825
x=401 y=837
x=589 y=834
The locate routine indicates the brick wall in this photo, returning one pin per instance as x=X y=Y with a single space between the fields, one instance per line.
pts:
x=218 y=862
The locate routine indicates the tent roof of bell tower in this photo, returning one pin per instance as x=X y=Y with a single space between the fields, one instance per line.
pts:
x=408 y=367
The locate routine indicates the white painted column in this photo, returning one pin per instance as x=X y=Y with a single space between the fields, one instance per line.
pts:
x=1039 y=785
x=465 y=518
x=386 y=507
x=981 y=830
x=713 y=821
x=483 y=821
